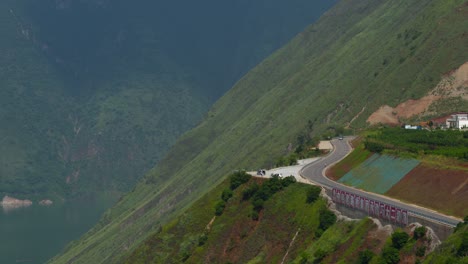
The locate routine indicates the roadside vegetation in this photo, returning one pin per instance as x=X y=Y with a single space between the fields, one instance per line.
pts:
x=354 y=159
x=454 y=249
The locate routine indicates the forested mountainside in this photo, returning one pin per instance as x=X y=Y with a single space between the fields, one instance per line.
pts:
x=357 y=57
x=93 y=93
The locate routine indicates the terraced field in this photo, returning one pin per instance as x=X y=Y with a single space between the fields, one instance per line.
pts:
x=379 y=173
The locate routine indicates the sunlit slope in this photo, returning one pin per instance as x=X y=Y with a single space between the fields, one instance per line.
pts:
x=361 y=54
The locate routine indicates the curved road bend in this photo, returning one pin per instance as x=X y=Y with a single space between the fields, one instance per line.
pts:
x=315 y=172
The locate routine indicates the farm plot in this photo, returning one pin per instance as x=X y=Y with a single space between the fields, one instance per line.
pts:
x=379 y=173
x=444 y=190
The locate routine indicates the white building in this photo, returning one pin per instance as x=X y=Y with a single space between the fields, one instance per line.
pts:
x=412 y=127
x=458 y=121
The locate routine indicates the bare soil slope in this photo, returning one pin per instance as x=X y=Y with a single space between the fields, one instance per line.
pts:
x=454 y=84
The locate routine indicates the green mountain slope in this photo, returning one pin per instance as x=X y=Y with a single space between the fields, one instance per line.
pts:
x=288 y=229
x=94 y=93
x=285 y=229
x=359 y=55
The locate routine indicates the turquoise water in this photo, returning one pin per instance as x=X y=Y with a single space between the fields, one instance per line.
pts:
x=379 y=173
x=37 y=233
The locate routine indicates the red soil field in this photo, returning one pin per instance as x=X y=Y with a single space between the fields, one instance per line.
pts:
x=443 y=190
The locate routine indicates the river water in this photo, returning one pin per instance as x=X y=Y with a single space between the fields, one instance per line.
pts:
x=37 y=233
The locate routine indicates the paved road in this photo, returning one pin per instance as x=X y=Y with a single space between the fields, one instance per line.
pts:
x=315 y=173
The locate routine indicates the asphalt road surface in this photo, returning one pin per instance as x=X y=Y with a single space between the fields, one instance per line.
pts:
x=315 y=173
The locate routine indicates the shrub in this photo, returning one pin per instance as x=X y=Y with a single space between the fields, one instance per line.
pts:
x=185 y=255
x=313 y=194
x=319 y=255
x=219 y=208
x=399 y=239
x=373 y=146
x=238 y=178
x=327 y=218
x=202 y=239
x=254 y=215
x=390 y=255
x=288 y=181
x=250 y=191
x=258 y=204
x=419 y=232
x=318 y=233
x=421 y=251
x=365 y=256
x=227 y=193
x=463 y=248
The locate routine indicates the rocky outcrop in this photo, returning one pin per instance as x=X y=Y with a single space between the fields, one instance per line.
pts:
x=45 y=202
x=9 y=203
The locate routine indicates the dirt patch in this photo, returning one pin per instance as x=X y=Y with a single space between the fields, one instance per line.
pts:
x=442 y=190
x=385 y=115
x=326 y=145
x=454 y=84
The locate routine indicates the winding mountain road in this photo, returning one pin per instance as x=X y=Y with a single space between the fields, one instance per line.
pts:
x=315 y=172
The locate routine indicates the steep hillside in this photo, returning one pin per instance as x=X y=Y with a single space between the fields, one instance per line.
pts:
x=455 y=249
x=289 y=228
x=285 y=229
x=95 y=92
x=358 y=56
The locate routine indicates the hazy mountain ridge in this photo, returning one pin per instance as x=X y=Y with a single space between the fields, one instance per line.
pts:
x=359 y=55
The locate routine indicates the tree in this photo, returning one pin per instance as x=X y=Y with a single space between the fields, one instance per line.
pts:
x=327 y=218
x=373 y=146
x=421 y=251
x=419 y=232
x=319 y=255
x=238 y=178
x=365 y=256
x=219 y=208
x=399 y=239
x=390 y=255
x=463 y=248
x=313 y=194
x=227 y=193
x=250 y=191
x=258 y=204
x=288 y=181
x=430 y=123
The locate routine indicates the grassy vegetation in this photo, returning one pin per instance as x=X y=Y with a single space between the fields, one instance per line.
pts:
x=448 y=143
x=326 y=74
x=454 y=250
x=354 y=159
x=197 y=236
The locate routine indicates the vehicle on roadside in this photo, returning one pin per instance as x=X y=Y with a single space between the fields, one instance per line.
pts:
x=279 y=175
